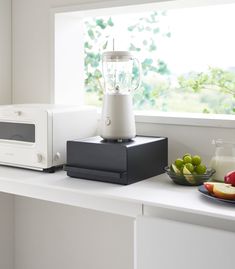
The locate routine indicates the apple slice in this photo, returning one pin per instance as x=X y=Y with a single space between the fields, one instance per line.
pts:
x=224 y=191
x=210 y=186
x=175 y=169
x=188 y=176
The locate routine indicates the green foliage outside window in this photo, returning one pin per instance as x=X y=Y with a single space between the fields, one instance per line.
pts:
x=216 y=80
x=212 y=91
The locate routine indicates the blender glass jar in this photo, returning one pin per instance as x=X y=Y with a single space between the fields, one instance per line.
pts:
x=224 y=159
x=118 y=72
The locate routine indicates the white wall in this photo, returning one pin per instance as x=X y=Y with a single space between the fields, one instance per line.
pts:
x=69 y=50
x=5 y=52
x=192 y=139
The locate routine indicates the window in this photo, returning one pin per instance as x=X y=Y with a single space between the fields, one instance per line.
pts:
x=186 y=54
x=24 y=132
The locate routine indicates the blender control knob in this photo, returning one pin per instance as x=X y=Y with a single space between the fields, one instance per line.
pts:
x=18 y=113
x=39 y=158
x=108 y=121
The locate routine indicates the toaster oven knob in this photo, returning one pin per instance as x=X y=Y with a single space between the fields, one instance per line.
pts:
x=57 y=156
x=39 y=158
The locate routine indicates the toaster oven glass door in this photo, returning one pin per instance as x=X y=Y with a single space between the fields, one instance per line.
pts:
x=17 y=131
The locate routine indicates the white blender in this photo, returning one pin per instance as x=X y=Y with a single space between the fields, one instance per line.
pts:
x=118 y=122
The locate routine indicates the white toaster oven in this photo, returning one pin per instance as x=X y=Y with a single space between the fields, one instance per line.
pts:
x=34 y=135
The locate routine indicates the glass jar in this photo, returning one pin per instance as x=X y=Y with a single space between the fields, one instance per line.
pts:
x=119 y=69
x=224 y=159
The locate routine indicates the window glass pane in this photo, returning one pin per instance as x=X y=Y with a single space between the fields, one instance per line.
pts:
x=186 y=54
x=17 y=131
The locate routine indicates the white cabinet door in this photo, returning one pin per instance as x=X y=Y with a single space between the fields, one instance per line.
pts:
x=167 y=244
x=6 y=231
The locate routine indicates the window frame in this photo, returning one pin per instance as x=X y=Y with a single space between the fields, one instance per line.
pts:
x=144 y=116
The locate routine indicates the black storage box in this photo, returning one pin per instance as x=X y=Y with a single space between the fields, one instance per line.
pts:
x=121 y=163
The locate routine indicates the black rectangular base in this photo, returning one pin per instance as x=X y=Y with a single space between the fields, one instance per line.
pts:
x=122 y=163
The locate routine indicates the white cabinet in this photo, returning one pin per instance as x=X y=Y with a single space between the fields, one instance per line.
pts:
x=6 y=231
x=167 y=244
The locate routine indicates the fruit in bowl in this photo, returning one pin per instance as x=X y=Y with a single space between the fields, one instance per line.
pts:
x=189 y=170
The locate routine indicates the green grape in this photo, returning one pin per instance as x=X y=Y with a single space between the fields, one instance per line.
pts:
x=187 y=159
x=196 y=160
x=200 y=169
x=179 y=163
x=190 y=167
x=187 y=154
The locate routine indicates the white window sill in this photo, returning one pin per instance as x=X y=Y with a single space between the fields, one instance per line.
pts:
x=188 y=119
x=184 y=119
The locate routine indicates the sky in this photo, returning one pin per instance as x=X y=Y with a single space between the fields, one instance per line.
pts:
x=200 y=37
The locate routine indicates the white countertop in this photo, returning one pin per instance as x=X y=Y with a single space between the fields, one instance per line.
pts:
x=129 y=200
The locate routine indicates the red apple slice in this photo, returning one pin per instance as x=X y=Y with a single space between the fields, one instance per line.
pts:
x=210 y=186
x=224 y=191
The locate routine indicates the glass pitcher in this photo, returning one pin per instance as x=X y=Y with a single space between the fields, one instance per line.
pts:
x=224 y=159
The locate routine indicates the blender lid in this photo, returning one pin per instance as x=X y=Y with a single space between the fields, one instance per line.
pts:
x=117 y=56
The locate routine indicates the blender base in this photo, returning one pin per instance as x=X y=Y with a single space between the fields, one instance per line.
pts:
x=117 y=140
x=117 y=162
